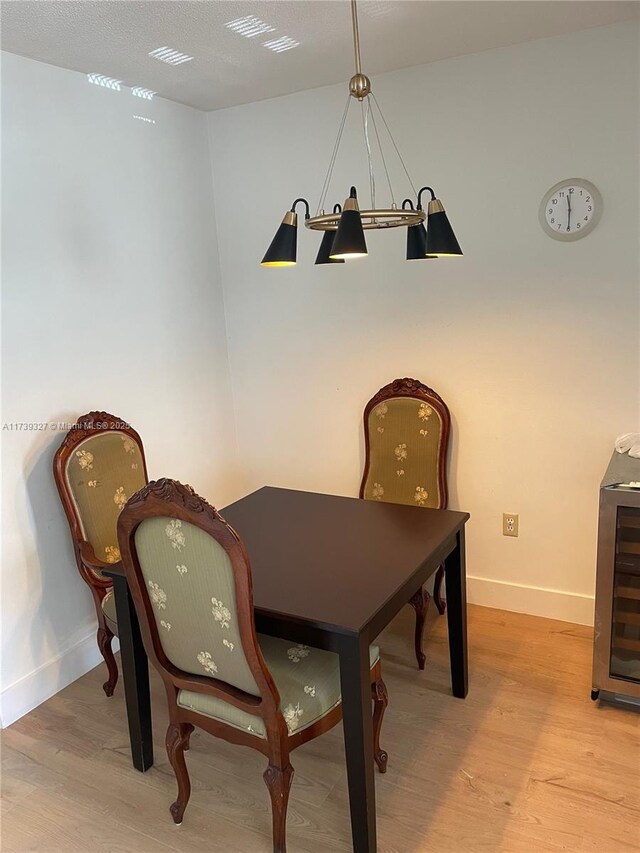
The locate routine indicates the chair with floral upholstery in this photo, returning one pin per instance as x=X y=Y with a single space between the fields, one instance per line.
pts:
x=406 y=429
x=97 y=467
x=190 y=580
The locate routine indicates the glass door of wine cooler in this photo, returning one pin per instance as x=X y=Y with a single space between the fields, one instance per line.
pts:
x=616 y=648
x=625 y=628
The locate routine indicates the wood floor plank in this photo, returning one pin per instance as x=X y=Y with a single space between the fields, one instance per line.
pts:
x=526 y=764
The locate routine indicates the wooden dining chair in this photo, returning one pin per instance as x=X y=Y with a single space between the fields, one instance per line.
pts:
x=190 y=580
x=97 y=467
x=406 y=430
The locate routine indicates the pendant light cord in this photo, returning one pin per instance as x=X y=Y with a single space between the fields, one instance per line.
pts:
x=406 y=171
x=384 y=162
x=365 y=127
x=327 y=179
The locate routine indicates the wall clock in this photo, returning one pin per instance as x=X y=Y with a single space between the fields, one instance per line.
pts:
x=571 y=209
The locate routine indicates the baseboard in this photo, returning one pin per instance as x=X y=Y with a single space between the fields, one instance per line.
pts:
x=33 y=689
x=552 y=603
x=44 y=682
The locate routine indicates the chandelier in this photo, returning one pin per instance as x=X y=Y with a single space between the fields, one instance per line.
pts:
x=344 y=227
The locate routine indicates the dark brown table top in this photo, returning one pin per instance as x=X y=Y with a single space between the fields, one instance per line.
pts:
x=334 y=561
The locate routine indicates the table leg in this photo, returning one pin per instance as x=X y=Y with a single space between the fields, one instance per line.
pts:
x=456 y=580
x=355 y=679
x=135 y=675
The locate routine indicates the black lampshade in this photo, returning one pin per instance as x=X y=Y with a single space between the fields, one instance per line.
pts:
x=323 y=256
x=283 y=248
x=416 y=242
x=349 y=241
x=441 y=241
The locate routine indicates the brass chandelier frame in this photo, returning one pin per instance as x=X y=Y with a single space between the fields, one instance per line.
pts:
x=391 y=217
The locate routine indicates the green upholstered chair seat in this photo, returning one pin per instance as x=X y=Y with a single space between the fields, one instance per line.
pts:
x=307 y=679
x=109 y=610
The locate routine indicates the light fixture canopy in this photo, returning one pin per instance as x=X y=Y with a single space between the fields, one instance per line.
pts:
x=344 y=228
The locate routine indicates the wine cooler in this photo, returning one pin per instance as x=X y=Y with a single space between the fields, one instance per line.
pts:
x=616 y=656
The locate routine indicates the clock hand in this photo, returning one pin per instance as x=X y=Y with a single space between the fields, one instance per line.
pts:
x=569 y=212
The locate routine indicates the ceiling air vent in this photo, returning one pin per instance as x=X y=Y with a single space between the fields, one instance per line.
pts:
x=249 y=26
x=103 y=80
x=281 y=44
x=170 y=56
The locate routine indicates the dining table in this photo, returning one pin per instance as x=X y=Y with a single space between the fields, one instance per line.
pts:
x=329 y=572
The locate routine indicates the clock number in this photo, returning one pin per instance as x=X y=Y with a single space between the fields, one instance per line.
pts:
x=555 y=201
x=571 y=190
x=553 y=219
x=577 y=225
x=589 y=208
x=550 y=210
x=588 y=198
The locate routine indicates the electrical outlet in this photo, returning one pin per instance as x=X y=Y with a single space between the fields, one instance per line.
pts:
x=510 y=524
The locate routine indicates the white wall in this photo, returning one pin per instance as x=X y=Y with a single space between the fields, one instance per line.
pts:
x=112 y=300
x=533 y=343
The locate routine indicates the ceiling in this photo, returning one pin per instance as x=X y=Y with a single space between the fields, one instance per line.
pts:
x=115 y=38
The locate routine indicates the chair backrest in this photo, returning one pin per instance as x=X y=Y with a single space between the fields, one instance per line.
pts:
x=98 y=466
x=190 y=580
x=406 y=428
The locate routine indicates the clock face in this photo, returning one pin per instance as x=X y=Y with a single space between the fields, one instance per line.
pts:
x=570 y=209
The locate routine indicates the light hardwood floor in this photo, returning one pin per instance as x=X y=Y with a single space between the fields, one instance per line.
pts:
x=526 y=763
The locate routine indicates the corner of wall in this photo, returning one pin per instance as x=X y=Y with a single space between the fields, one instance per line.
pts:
x=223 y=292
